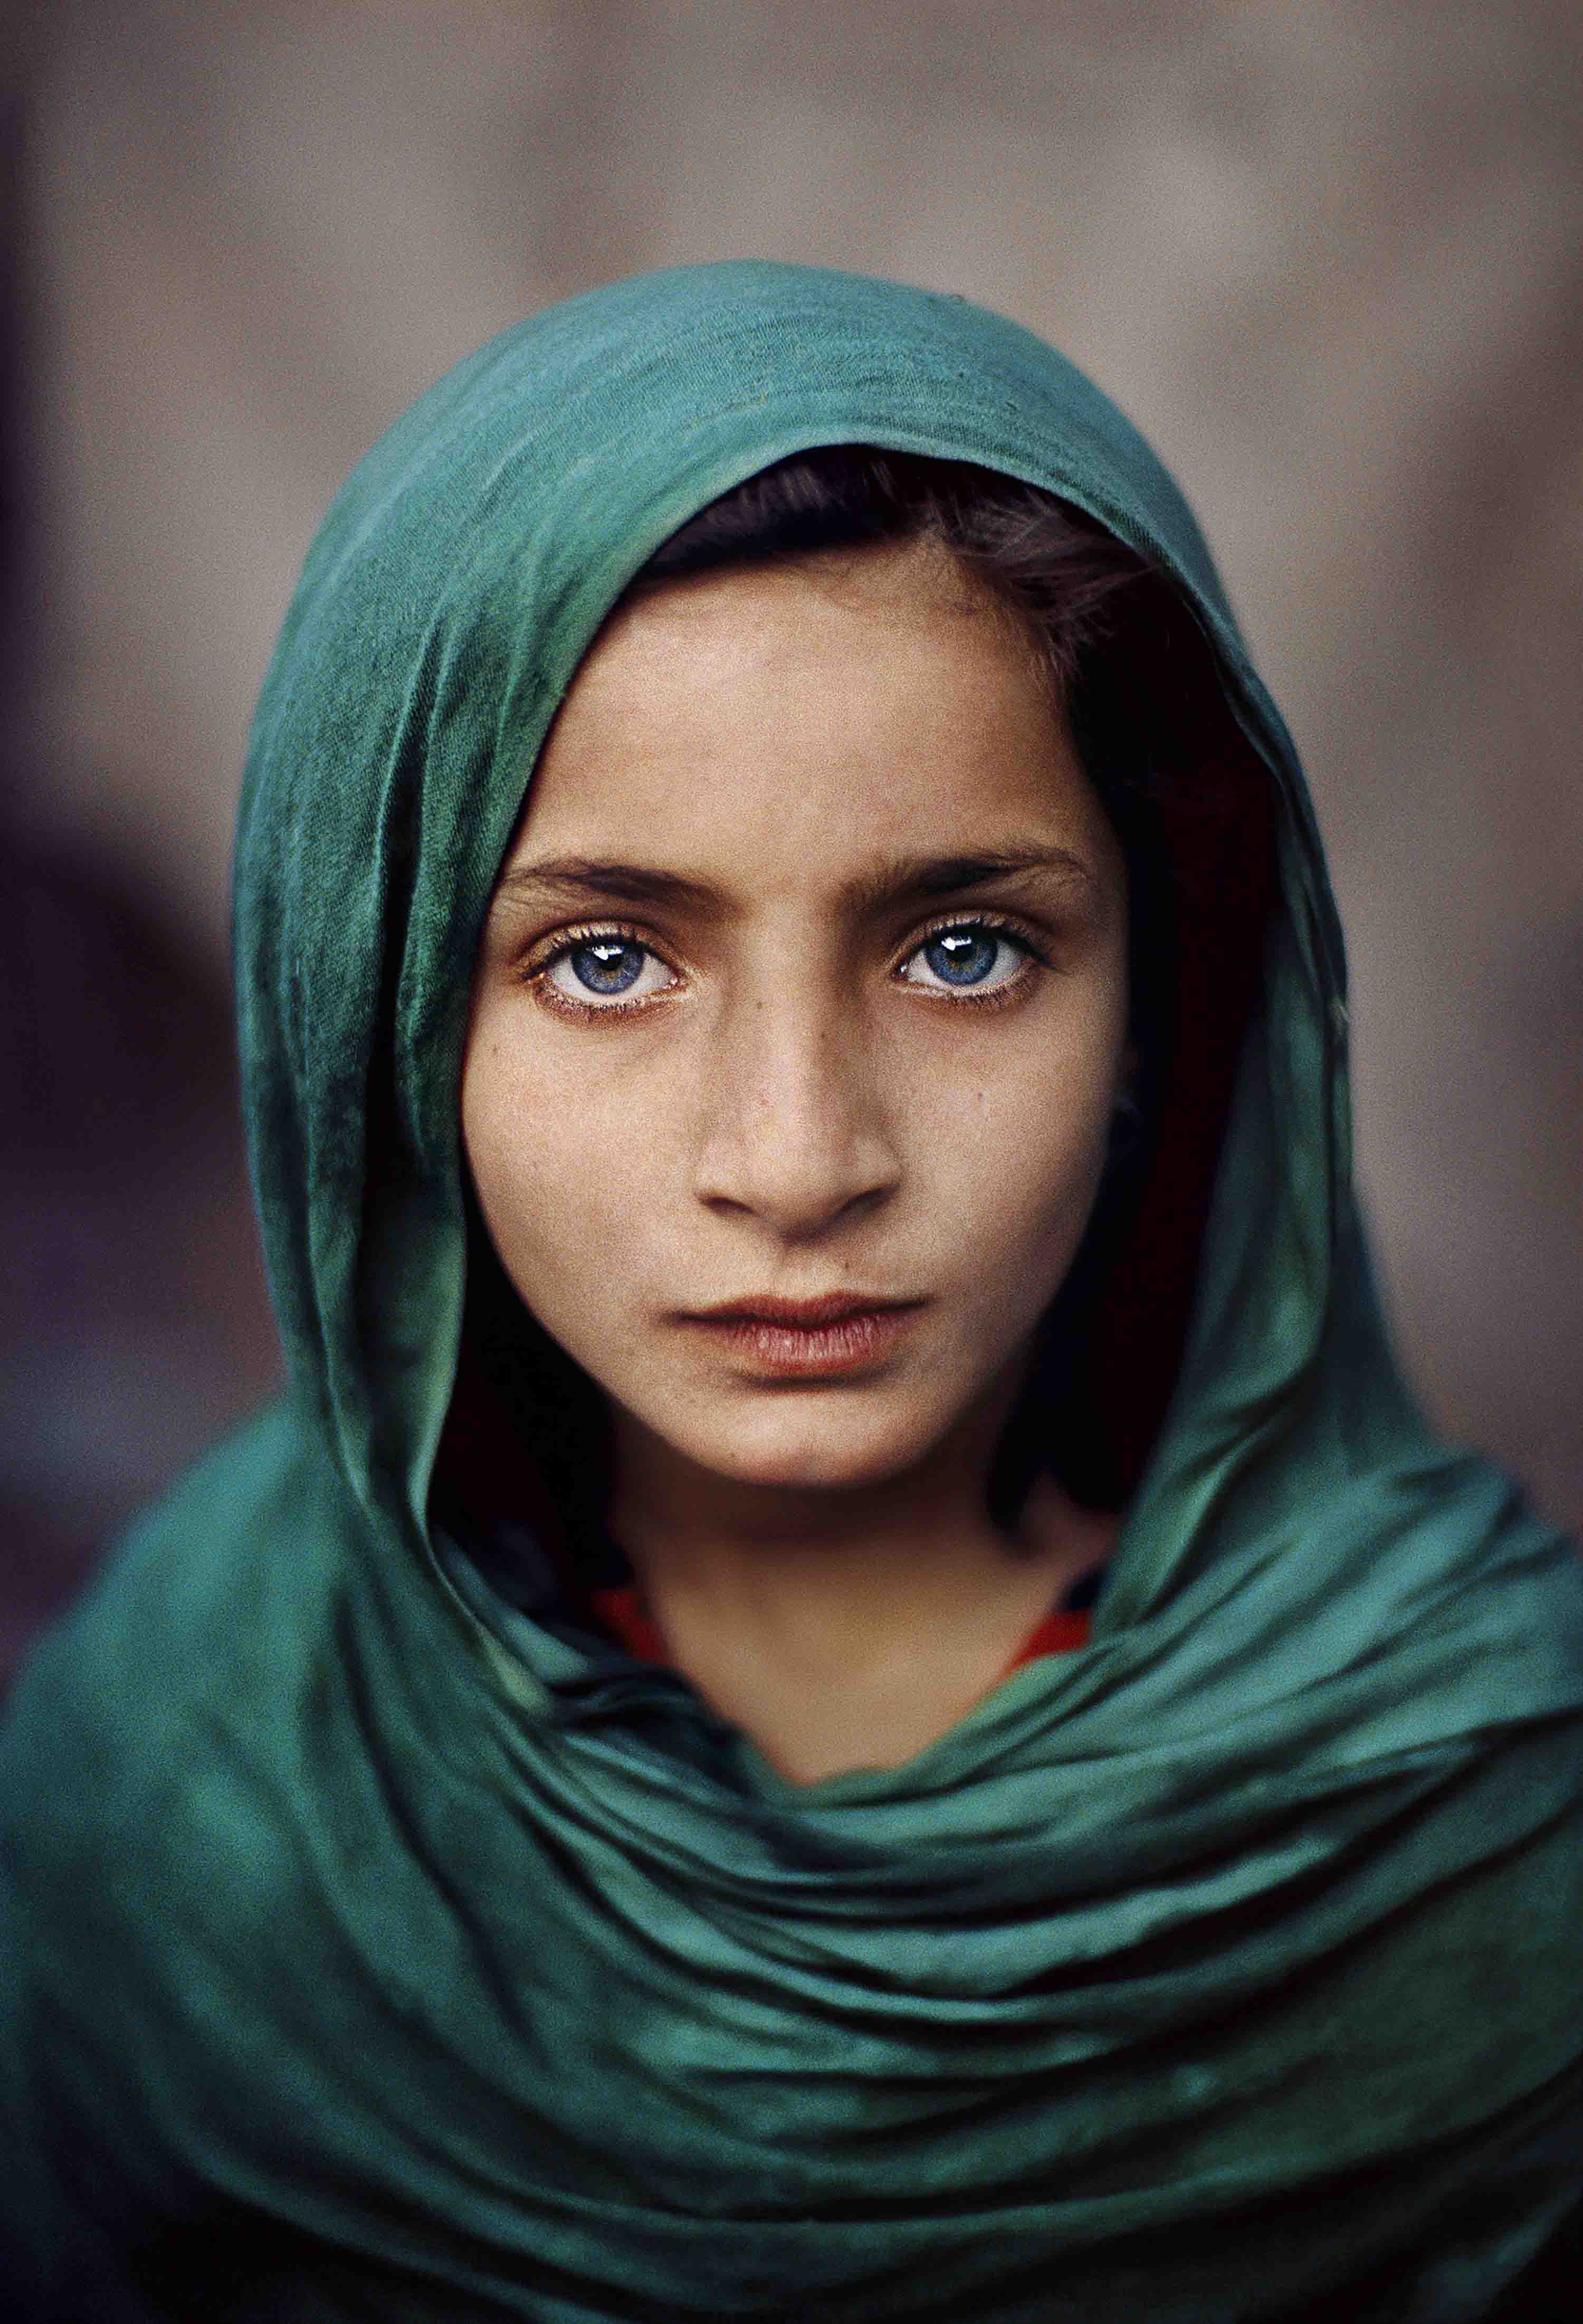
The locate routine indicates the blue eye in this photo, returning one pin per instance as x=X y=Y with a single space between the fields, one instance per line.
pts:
x=607 y=965
x=963 y=955
x=602 y=970
x=968 y=956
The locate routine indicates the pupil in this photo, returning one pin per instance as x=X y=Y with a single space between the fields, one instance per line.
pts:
x=607 y=964
x=962 y=955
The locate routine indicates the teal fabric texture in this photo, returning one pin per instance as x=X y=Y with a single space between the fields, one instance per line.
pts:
x=373 y=1951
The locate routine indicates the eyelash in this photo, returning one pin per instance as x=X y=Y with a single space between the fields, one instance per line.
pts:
x=570 y=940
x=536 y=975
x=993 y=924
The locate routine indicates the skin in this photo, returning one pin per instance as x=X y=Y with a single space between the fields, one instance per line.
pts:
x=814 y=769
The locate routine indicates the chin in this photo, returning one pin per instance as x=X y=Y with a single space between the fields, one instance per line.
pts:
x=808 y=1448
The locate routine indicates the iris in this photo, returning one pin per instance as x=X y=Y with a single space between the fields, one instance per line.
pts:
x=963 y=955
x=607 y=963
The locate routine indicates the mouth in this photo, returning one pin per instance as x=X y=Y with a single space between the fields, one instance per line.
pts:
x=828 y=1338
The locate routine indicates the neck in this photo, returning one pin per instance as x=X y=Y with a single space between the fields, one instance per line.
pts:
x=845 y=1627
x=679 y=1522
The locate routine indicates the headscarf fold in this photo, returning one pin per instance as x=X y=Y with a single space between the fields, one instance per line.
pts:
x=376 y=1950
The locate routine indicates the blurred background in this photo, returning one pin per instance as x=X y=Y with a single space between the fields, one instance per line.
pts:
x=1330 y=257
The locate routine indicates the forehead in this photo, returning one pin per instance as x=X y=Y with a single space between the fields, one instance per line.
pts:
x=805 y=713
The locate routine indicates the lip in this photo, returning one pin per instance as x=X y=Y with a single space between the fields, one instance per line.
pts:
x=826 y=1337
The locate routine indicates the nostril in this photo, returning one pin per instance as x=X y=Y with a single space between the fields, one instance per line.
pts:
x=793 y=1181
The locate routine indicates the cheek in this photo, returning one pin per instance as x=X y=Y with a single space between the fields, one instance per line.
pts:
x=1032 y=1159
x=1042 y=1161
x=1026 y=1137
x=555 y=1179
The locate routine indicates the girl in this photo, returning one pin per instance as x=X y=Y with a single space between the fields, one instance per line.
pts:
x=847 y=1687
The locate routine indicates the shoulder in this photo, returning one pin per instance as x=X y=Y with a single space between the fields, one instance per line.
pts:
x=143 y=1825
x=226 y=1582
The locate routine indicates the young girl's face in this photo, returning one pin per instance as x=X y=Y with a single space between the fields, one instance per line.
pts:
x=799 y=1017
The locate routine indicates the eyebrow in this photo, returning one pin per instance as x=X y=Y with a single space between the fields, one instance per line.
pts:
x=906 y=877
x=900 y=880
x=573 y=877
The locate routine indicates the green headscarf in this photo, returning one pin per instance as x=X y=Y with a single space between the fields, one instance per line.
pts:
x=376 y=1951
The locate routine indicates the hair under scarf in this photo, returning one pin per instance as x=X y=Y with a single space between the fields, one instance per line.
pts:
x=375 y=1949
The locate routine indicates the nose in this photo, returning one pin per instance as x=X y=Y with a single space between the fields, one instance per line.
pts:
x=793 y=1129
